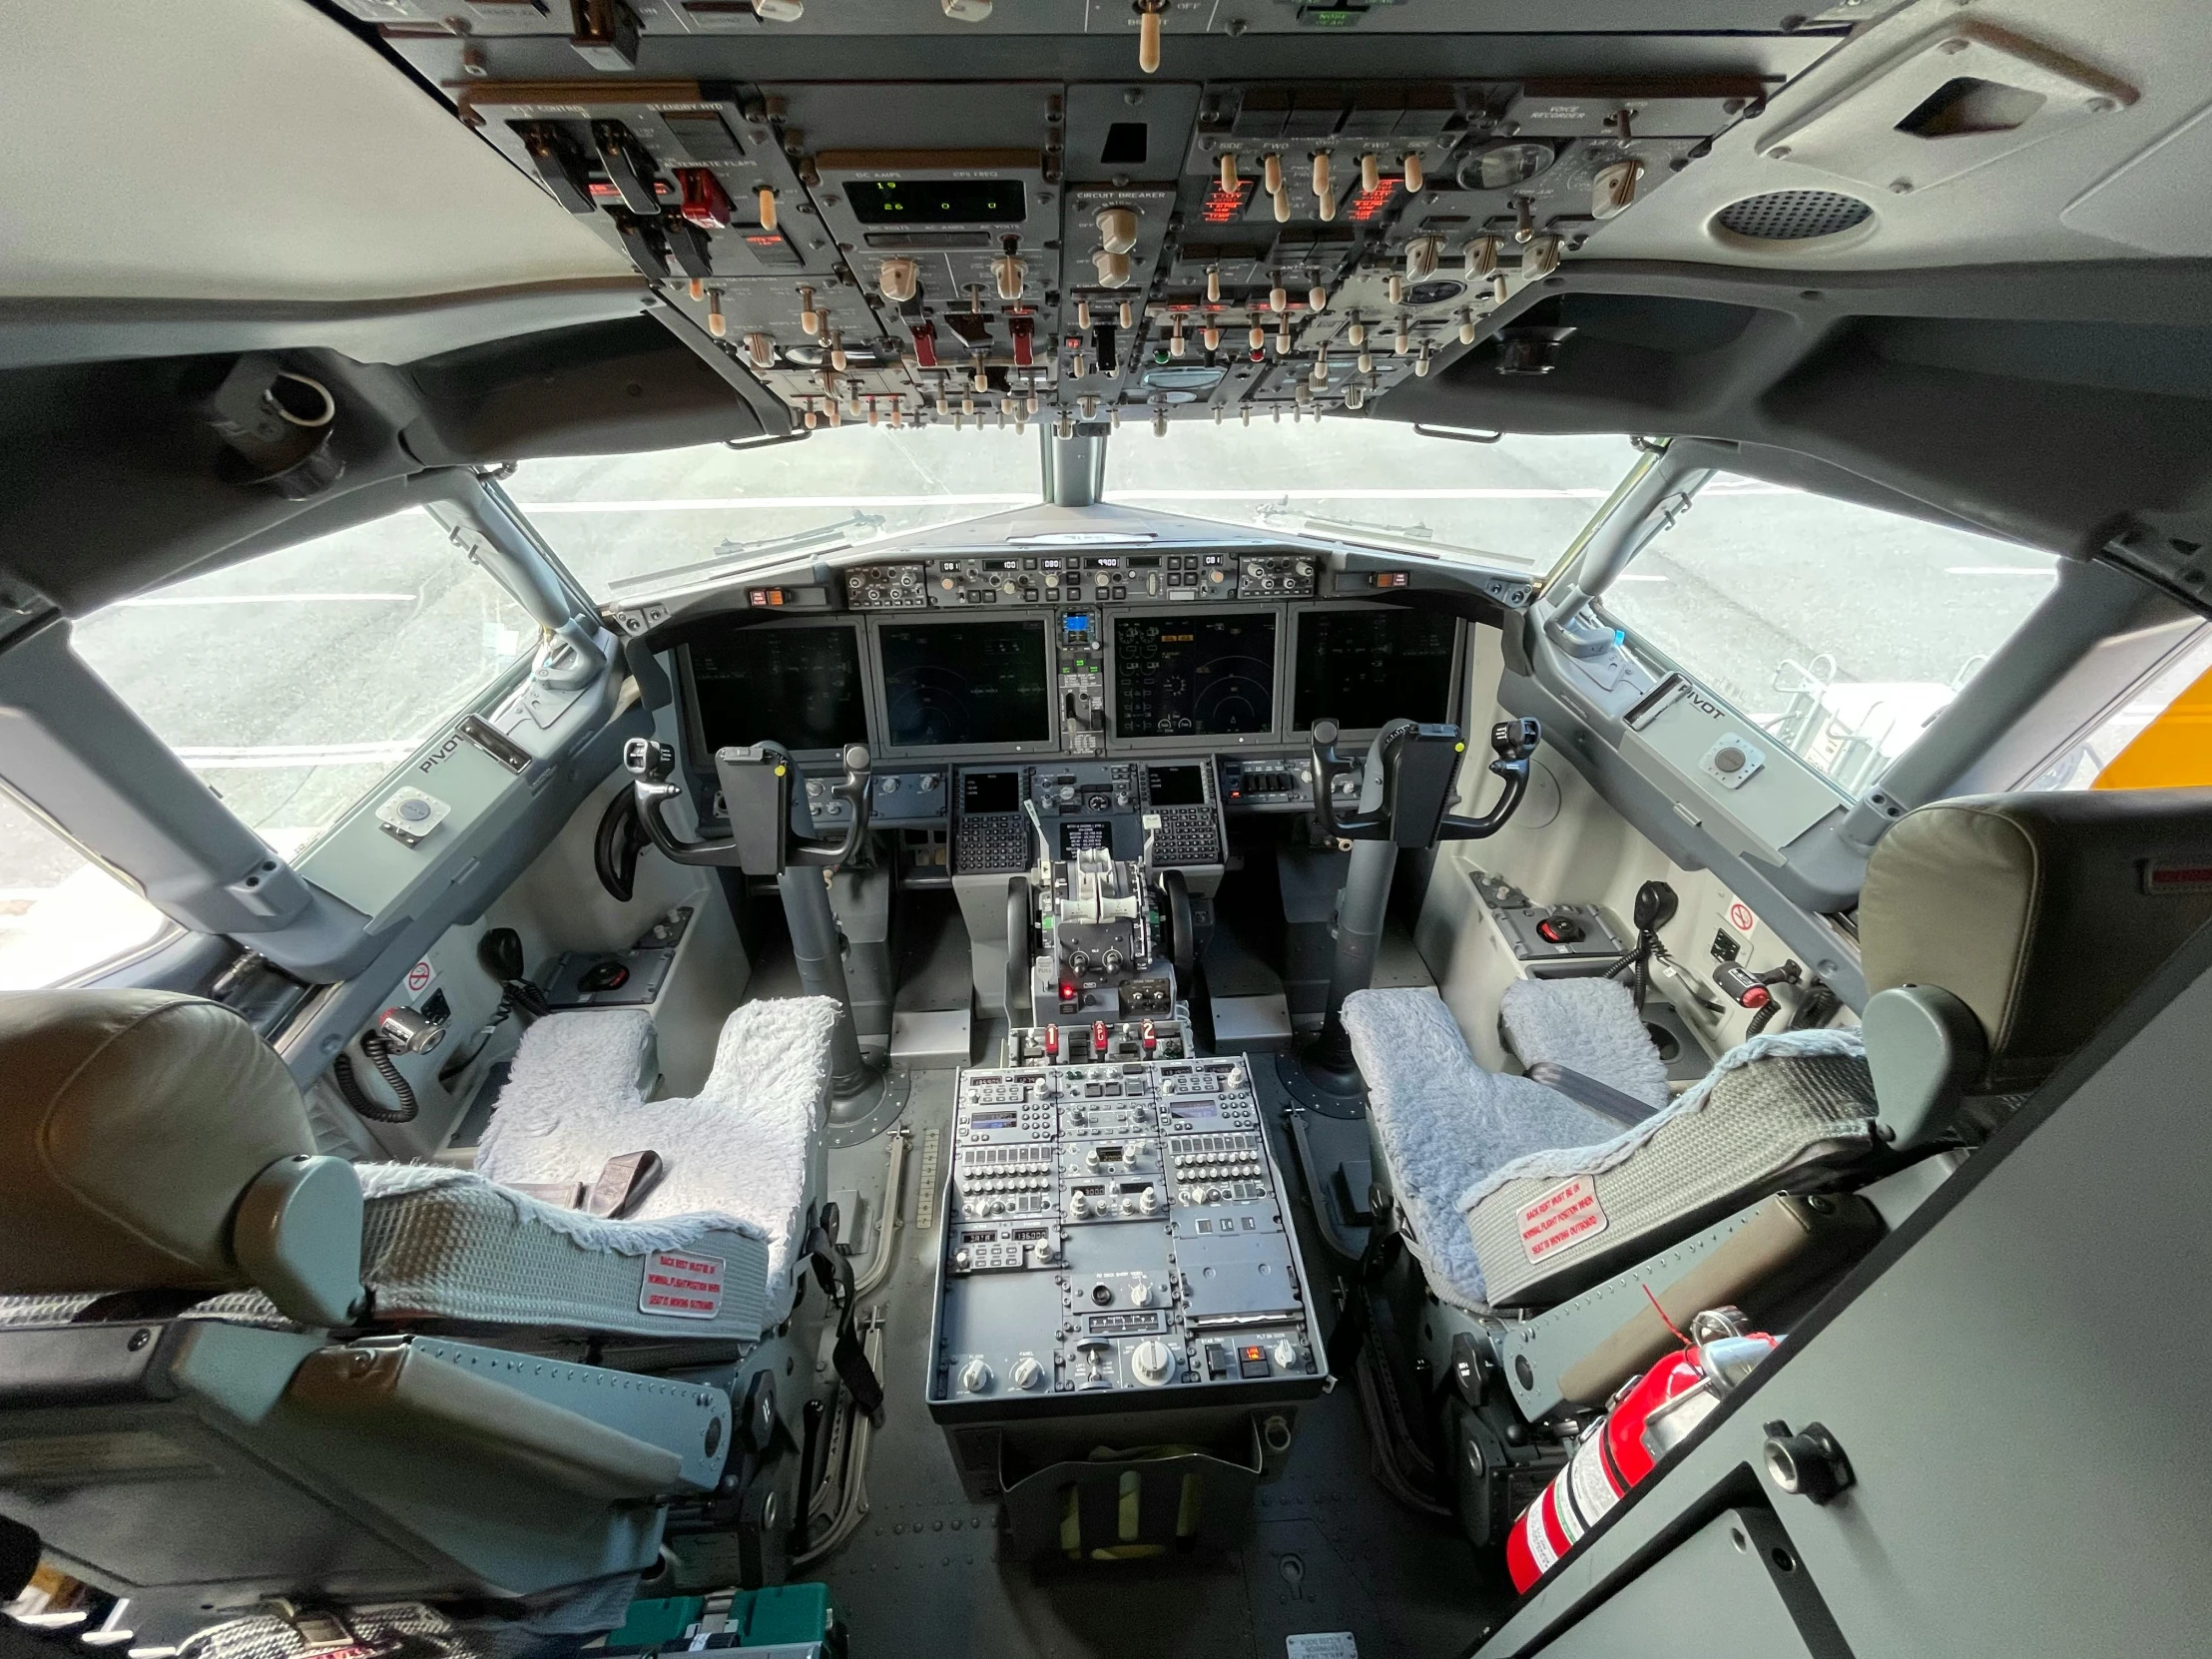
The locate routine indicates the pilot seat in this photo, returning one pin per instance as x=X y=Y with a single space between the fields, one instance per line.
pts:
x=1996 y=932
x=272 y=1373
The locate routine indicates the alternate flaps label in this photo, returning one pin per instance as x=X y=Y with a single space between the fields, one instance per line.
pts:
x=1565 y=1214
x=681 y=1285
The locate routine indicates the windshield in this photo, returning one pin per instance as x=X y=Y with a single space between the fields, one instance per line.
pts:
x=626 y=525
x=1518 y=501
x=1841 y=629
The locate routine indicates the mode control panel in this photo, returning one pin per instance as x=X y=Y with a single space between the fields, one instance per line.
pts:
x=1115 y=1228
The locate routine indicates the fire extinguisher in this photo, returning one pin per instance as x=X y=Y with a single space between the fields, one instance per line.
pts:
x=1644 y=1420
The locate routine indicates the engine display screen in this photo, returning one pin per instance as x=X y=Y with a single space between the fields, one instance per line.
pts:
x=800 y=687
x=1193 y=676
x=965 y=683
x=936 y=200
x=1364 y=669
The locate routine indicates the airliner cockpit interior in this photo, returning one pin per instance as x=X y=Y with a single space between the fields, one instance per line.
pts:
x=1217 y=828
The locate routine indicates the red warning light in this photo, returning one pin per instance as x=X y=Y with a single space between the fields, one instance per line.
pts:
x=1225 y=206
x=1369 y=203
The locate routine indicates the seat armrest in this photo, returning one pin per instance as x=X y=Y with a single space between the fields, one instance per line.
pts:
x=1924 y=1047
x=434 y=1396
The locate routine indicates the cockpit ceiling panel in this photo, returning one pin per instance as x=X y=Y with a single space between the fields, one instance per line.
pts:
x=250 y=149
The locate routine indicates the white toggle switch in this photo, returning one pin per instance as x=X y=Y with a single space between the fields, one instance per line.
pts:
x=810 y=319
x=1371 y=172
x=1316 y=300
x=1271 y=175
x=1213 y=280
x=1229 y=180
x=1416 y=174
x=1128 y=315
x=765 y=199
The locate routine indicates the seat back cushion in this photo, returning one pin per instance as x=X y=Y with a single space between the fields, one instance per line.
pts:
x=1548 y=1225
x=748 y=1146
x=1438 y=1120
x=2041 y=913
x=1589 y=1025
x=130 y=1123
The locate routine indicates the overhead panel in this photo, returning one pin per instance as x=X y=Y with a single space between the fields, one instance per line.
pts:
x=920 y=248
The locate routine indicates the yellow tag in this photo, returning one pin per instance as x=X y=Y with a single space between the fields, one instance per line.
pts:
x=1459 y=749
x=779 y=772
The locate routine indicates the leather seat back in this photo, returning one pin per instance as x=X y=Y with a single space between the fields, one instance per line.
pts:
x=2041 y=913
x=131 y=1124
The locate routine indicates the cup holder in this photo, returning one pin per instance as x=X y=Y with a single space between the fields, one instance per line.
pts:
x=1668 y=1044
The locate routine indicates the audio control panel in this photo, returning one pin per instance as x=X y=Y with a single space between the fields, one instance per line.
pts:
x=1116 y=1232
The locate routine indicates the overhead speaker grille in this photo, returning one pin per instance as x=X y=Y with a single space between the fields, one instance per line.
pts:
x=1793 y=214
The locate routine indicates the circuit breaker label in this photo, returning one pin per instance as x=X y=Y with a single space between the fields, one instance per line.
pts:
x=1565 y=1214
x=681 y=1285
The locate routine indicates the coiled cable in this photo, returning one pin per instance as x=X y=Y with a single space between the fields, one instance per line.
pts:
x=379 y=1052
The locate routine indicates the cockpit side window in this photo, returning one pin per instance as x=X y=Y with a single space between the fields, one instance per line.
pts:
x=292 y=682
x=1840 y=629
x=62 y=915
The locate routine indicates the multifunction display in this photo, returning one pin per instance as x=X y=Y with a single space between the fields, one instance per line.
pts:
x=1202 y=675
x=1363 y=669
x=965 y=683
x=800 y=687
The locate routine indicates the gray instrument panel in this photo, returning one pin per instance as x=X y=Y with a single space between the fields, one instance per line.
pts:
x=1115 y=1234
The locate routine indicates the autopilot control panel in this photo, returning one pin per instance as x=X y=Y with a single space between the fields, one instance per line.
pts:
x=1116 y=1238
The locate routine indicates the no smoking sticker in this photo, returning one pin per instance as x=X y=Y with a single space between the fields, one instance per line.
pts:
x=420 y=977
x=1741 y=919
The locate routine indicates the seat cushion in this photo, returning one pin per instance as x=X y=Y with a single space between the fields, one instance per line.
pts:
x=1589 y=1025
x=1438 y=1120
x=444 y=1243
x=748 y=1146
x=1546 y=1225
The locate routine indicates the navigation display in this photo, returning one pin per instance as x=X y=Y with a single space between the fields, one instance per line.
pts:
x=1193 y=676
x=965 y=683
x=1363 y=669
x=800 y=687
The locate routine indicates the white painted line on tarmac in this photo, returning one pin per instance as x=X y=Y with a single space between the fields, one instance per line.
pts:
x=274 y=756
x=2002 y=570
x=165 y=599
x=740 y=502
x=735 y=503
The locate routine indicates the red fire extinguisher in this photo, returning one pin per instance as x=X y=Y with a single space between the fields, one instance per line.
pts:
x=1647 y=1419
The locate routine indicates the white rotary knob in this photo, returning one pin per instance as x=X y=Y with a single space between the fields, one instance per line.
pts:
x=1151 y=1362
x=975 y=1377
x=1028 y=1375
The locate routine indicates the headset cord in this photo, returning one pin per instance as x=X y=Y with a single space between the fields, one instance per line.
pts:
x=379 y=1052
x=516 y=996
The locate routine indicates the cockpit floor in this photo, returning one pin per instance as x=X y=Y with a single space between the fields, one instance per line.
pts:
x=1325 y=1550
